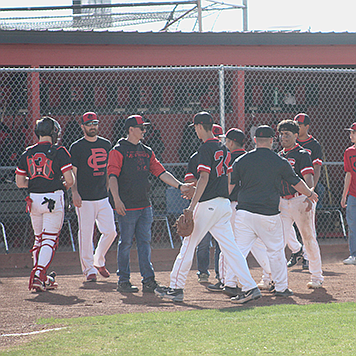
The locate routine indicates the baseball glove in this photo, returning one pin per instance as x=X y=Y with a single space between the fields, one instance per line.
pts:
x=185 y=223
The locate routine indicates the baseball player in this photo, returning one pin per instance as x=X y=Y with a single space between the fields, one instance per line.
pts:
x=348 y=199
x=293 y=206
x=90 y=197
x=211 y=211
x=203 y=248
x=312 y=146
x=259 y=174
x=40 y=169
x=130 y=163
x=235 y=140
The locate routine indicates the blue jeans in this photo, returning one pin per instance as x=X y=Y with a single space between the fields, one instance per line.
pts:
x=135 y=223
x=203 y=255
x=351 y=222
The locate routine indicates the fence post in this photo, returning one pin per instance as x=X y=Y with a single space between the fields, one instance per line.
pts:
x=34 y=109
x=222 y=97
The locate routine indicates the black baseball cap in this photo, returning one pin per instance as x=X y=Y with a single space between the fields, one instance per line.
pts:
x=202 y=117
x=264 y=131
x=302 y=119
x=235 y=135
x=217 y=130
x=88 y=117
x=135 y=120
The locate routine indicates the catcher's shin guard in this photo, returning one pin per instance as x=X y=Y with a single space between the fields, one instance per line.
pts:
x=35 y=249
x=45 y=254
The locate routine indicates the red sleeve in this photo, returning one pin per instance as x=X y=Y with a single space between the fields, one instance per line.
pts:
x=347 y=167
x=114 y=163
x=156 y=167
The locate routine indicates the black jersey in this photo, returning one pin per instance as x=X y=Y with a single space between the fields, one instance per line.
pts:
x=214 y=158
x=312 y=146
x=192 y=168
x=91 y=160
x=260 y=173
x=300 y=160
x=234 y=155
x=44 y=164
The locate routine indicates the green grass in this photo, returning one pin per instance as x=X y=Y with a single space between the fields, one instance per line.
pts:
x=318 y=329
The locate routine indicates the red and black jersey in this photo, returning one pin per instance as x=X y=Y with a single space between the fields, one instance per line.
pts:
x=192 y=168
x=350 y=166
x=43 y=168
x=214 y=158
x=91 y=160
x=234 y=155
x=301 y=162
x=312 y=146
x=132 y=164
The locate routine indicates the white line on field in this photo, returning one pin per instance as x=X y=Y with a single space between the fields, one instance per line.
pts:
x=33 y=332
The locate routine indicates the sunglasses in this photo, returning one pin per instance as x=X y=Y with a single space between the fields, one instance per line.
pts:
x=141 y=127
x=91 y=123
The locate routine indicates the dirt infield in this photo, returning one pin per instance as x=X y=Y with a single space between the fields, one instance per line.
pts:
x=20 y=308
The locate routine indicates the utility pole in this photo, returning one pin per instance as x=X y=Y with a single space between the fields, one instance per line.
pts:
x=244 y=15
x=200 y=20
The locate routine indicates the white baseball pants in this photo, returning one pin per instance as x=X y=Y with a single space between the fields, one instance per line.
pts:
x=293 y=210
x=258 y=250
x=214 y=216
x=101 y=213
x=250 y=226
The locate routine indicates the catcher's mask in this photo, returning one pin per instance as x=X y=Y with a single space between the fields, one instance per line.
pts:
x=46 y=126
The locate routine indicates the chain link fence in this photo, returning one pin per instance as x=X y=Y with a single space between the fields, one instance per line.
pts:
x=242 y=97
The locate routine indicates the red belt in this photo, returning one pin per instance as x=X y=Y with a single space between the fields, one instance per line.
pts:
x=291 y=196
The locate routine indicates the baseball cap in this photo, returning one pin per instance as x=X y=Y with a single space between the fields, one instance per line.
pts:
x=135 y=120
x=352 y=128
x=202 y=117
x=89 y=116
x=235 y=135
x=217 y=130
x=302 y=119
x=264 y=131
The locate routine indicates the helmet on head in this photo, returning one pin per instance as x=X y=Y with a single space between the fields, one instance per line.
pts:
x=46 y=126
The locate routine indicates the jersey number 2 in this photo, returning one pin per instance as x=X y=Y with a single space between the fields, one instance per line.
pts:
x=222 y=166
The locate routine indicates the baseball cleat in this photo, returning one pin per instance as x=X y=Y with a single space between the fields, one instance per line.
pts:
x=217 y=287
x=286 y=293
x=295 y=258
x=51 y=283
x=126 y=287
x=314 y=284
x=245 y=297
x=231 y=291
x=103 y=271
x=176 y=295
x=38 y=285
x=91 y=277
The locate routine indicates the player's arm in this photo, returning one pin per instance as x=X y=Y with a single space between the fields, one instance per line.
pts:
x=317 y=171
x=21 y=181
x=345 y=191
x=114 y=188
x=199 y=190
x=309 y=179
x=302 y=188
x=231 y=186
x=69 y=178
x=77 y=199
x=169 y=179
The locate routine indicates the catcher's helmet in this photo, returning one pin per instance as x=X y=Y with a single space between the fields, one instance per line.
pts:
x=46 y=126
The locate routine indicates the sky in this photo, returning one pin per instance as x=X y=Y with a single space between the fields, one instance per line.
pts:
x=263 y=15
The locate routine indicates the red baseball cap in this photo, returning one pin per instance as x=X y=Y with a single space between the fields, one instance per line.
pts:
x=89 y=116
x=217 y=130
x=352 y=128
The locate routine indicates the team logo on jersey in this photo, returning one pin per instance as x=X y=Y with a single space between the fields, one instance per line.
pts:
x=40 y=166
x=97 y=160
x=353 y=162
x=291 y=161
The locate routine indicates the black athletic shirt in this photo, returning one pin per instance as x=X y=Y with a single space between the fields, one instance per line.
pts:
x=91 y=160
x=214 y=158
x=192 y=168
x=260 y=172
x=234 y=155
x=300 y=160
x=44 y=171
x=312 y=146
